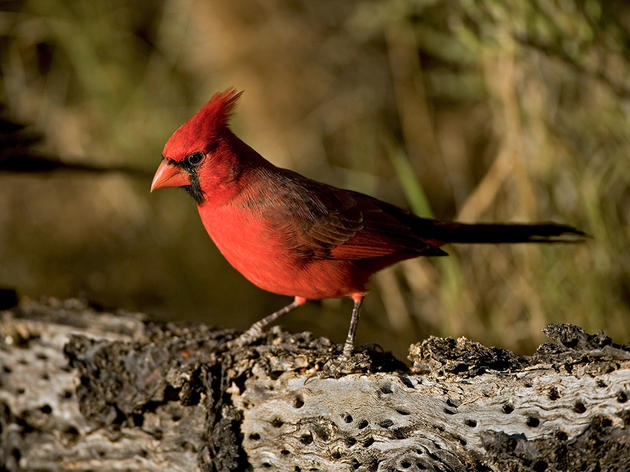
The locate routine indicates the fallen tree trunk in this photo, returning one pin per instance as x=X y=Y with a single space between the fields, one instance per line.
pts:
x=86 y=390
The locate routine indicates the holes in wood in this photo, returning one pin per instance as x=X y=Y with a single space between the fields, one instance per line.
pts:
x=579 y=407
x=532 y=422
x=41 y=356
x=306 y=439
x=277 y=423
x=72 y=432
x=470 y=423
x=553 y=394
x=386 y=423
x=187 y=446
x=363 y=424
x=406 y=381
x=401 y=433
x=254 y=436
x=347 y=418
x=540 y=466
x=622 y=397
x=298 y=402
x=138 y=419
x=171 y=394
x=507 y=409
x=451 y=403
x=386 y=389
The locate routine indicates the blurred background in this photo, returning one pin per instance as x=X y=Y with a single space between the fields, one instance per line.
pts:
x=513 y=110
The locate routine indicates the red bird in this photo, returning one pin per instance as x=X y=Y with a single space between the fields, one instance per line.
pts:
x=294 y=236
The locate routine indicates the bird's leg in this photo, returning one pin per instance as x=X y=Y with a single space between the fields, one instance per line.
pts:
x=354 y=321
x=255 y=331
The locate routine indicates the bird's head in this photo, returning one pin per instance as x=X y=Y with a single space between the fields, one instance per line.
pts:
x=198 y=155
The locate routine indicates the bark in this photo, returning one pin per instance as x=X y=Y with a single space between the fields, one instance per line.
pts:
x=87 y=390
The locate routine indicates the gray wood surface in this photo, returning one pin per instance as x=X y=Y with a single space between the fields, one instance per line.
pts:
x=87 y=390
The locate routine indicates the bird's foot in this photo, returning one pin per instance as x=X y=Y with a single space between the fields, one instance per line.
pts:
x=347 y=351
x=345 y=363
x=248 y=337
x=336 y=367
x=256 y=330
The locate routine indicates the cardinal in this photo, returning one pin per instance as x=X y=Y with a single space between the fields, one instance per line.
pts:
x=295 y=236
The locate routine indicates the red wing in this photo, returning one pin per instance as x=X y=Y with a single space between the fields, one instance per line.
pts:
x=387 y=231
x=324 y=222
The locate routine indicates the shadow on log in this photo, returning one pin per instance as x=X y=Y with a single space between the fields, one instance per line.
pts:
x=87 y=390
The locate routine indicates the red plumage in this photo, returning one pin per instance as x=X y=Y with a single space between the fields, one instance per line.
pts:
x=294 y=236
x=204 y=127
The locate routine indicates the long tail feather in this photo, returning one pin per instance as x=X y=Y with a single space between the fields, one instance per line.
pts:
x=451 y=232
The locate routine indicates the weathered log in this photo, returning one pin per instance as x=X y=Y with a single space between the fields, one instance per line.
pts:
x=88 y=390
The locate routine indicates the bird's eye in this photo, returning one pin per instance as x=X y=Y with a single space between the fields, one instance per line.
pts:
x=194 y=159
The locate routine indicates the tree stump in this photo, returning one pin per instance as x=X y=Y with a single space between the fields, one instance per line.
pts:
x=82 y=389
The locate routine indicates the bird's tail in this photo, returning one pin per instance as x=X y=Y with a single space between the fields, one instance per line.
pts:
x=451 y=232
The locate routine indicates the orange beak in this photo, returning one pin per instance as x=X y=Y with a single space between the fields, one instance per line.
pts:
x=169 y=175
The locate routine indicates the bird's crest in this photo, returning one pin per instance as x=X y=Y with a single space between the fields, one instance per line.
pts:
x=218 y=110
x=202 y=129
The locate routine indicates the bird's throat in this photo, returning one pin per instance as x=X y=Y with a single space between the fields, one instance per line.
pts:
x=194 y=189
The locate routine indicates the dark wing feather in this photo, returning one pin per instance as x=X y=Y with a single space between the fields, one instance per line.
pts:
x=325 y=222
x=388 y=231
